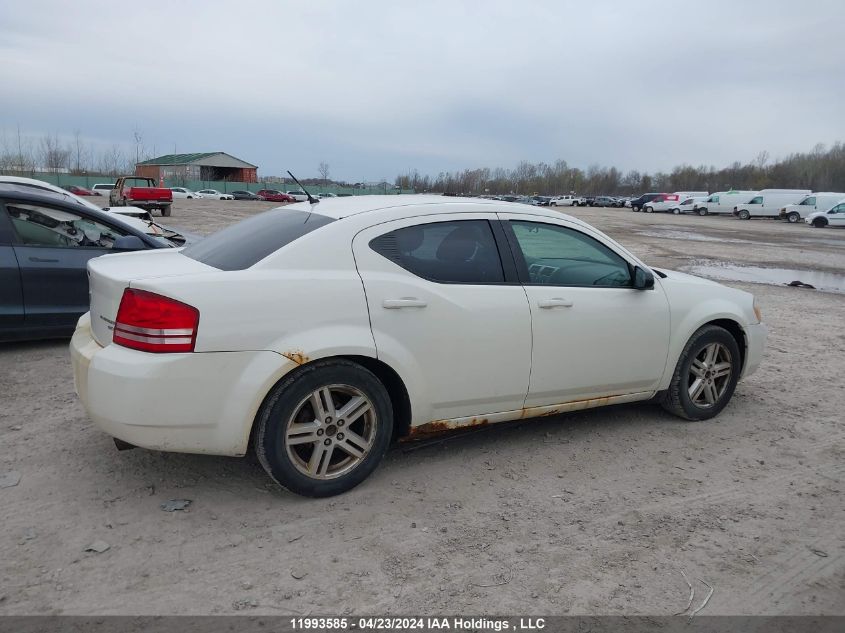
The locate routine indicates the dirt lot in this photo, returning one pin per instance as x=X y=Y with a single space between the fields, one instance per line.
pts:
x=591 y=513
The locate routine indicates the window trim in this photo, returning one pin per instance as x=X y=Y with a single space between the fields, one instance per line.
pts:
x=506 y=259
x=16 y=240
x=522 y=266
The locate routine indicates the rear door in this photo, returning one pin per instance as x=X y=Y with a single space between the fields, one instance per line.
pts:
x=11 y=293
x=444 y=309
x=52 y=246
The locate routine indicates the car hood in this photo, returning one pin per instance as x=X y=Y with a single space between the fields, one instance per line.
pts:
x=675 y=276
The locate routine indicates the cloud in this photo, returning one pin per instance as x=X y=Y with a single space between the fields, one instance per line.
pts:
x=379 y=87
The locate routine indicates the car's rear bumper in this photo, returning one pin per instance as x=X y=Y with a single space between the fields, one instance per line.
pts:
x=192 y=403
x=755 y=335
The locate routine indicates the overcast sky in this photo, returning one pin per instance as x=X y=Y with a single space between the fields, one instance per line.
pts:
x=375 y=88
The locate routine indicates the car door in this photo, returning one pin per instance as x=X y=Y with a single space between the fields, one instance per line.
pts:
x=594 y=335
x=836 y=216
x=11 y=293
x=443 y=308
x=52 y=246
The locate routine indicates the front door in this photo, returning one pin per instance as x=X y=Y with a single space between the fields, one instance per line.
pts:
x=52 y=247
x=443 y=309
x=594 y=335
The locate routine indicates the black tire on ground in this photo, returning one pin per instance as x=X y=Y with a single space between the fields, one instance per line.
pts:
x=793 y=216
x=676 y=211
x=648 y=209
x=165 y=211
x=819 y=223
x=677 y=399
x=702 y=212
x=287 y=396
x=744 y=215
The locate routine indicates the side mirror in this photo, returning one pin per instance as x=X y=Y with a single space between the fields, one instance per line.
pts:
x=129 y=243
x=643 y=280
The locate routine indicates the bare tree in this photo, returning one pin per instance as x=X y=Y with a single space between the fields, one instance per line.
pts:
x=324 y=172
x=53 y=156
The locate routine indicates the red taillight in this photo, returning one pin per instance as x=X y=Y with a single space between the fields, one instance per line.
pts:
x=153 y=323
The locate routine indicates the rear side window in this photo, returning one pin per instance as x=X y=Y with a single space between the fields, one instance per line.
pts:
x=243 y=244
x=462 y=251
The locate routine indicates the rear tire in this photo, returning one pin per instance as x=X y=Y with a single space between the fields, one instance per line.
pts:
x=706 y=375
x=303 y=441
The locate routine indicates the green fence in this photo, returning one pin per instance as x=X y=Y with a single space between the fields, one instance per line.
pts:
x=225 y=186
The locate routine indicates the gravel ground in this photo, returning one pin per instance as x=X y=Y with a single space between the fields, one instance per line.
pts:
x=596 y=512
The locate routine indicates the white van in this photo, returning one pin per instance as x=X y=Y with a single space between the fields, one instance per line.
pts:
x=768 y=203
x=723 y=202
x=818 y=201
x=688 y=204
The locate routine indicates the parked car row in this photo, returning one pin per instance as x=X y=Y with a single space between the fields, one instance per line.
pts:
x=184 y=193
x=819 y=209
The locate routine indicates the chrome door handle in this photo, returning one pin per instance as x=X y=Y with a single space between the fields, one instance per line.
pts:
x=404 y=302
x=557 y=302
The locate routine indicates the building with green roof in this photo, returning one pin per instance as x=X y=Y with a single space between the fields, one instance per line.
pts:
x=208 y=166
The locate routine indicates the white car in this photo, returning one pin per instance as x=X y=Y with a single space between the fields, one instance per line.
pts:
x=663 y=202
x=324 y=330
x=103 y=188
x=565 y=201
x=184 y=192
x=834 y=216
x=298 y=195
x=215 y=195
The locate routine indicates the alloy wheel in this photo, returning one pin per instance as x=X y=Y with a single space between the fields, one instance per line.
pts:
x=330 y=432
x=709 y=375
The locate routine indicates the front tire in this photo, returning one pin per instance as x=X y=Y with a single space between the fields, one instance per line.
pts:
x=819 y=223
x=702 y=212
x=705 y=376
x=676 y=211
x=324 y=428
x=744 y=215
x=793 y=217
x=649 y=209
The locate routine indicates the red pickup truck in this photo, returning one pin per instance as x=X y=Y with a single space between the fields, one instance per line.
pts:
x=137 y=191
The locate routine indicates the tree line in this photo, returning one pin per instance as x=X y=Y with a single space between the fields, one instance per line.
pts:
x=822 y=169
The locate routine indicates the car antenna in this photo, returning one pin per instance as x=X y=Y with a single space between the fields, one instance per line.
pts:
x=311 y=198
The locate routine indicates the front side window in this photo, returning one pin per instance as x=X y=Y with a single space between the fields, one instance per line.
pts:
x=809 y=201
x=37 y=225
x=560 y=256
x=461 y=251
x=757 y=200
x=714 y=199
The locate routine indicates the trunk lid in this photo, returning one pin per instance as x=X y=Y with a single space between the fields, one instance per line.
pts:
x=109 y=275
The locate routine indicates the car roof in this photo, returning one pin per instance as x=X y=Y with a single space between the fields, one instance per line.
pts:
x=398 y=206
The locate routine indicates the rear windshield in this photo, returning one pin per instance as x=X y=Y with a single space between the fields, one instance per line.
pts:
x=243 y=244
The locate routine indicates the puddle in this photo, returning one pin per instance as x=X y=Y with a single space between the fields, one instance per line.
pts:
x=828 y=282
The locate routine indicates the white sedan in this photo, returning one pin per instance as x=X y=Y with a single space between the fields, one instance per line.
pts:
x=185 y=193
x=215 y=195
x=324 y=330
